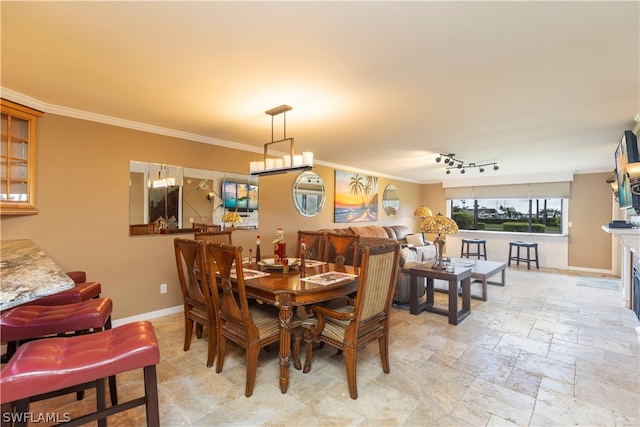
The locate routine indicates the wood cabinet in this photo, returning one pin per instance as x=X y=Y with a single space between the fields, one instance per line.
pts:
x=18 y=159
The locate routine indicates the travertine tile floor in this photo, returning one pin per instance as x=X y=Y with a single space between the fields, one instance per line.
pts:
x=542 y=351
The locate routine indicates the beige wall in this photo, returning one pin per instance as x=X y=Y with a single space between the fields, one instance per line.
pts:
x=83 y=200
x=590 y=209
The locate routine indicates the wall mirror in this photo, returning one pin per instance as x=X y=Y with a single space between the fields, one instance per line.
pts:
x=167 y=199
x=390 y=200
x=308 y=193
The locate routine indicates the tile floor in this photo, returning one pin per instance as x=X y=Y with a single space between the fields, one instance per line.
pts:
x=542 y=351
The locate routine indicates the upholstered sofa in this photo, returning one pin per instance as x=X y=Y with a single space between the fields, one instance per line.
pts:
x=414 y=250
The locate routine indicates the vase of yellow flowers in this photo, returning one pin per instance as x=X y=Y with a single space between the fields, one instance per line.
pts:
x=231 y=217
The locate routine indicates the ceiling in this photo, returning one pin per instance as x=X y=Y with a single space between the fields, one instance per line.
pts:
x=541 y=88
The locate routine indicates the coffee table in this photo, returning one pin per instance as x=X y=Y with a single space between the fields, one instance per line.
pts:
x=481 y=270
x=460 y=276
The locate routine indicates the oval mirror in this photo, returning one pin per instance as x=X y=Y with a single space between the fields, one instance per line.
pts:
x=308 y=193
x=390 y=200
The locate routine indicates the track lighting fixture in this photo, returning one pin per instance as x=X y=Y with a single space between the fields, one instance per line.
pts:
x=454 y=163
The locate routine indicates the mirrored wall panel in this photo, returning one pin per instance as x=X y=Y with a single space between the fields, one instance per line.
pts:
x=167 y=199
x=308 y=193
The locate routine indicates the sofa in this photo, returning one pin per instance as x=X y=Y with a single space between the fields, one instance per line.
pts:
x=414 y=250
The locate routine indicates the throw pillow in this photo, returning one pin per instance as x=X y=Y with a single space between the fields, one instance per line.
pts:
x=415 y=239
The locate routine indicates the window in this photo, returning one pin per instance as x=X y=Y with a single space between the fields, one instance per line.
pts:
x=511 y=215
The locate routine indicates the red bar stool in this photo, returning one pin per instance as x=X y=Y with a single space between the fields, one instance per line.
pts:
x=30 y=322
x=82 y=291
x=53 y=366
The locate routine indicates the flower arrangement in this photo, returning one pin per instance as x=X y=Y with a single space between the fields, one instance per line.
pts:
x=231 y=217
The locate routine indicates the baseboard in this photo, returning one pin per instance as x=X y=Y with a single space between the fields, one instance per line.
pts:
x=150 y=315
x=591 y=270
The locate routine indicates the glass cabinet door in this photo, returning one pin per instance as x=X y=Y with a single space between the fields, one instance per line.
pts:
x=17 y=159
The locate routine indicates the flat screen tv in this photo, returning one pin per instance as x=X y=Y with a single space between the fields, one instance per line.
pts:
x=240 y=197
x=626 y=152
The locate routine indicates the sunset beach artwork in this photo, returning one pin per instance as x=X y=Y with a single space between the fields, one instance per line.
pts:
x=356 y=197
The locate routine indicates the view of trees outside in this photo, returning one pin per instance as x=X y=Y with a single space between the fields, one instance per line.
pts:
x=516 y=215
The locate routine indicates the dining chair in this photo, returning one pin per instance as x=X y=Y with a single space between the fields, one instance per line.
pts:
x=251 y=326
x=200 y=302
x=220 y=236
x=314 y=241
x=341 y=249
x=351 y=328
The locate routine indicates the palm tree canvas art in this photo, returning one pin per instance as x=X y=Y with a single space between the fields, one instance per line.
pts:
x=356 y=197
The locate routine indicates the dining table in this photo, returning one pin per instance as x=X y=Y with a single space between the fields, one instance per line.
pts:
x=319 y=282
x=28 y=273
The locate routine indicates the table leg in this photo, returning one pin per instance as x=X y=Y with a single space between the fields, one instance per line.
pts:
x=286 y=313
x=484 y=288
x=413 y=294
x=453 y=302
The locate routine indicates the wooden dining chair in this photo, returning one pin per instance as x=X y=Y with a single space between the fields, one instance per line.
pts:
x=351 y=328
x=221 y=236
x=200 y=303
x=314 y=241
x=251 y=326
x=341 y=249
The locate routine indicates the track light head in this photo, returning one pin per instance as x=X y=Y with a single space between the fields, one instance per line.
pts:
x=438 y=159
x=448 y=171
x=495 y=167
x=481 y=170
x=462 y=171
x=459 y=165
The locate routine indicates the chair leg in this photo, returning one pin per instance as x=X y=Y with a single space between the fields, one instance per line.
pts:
x=222 y=349
x=252 y=354
x=384 y=353
x=510 y=248
x=350 y=363
x=308 y=349
x=212 y=344
x=151 y=393
x=188 y=332
x=296 y=338
x=100 y=401
x=113 y=390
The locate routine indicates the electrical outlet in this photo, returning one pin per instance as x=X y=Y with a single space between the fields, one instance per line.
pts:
x=163 y=288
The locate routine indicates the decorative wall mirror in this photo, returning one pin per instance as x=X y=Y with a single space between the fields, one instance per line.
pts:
x=166 y=199
x=308 y=193
x=390 y=200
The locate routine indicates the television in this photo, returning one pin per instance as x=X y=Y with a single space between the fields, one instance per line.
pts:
x=239 y=197
x=626 y=152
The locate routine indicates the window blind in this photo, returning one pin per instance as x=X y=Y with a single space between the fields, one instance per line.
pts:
x=547 y=190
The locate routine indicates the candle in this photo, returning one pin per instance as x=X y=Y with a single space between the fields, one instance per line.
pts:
x=253 y=166
x=297 y=160
x=270 y=163
x=279 y=163
x=260 y=166
x=307 y=158
x=286 y=161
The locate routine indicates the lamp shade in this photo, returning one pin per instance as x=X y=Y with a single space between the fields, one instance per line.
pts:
x=439 y=224
x=423 y=212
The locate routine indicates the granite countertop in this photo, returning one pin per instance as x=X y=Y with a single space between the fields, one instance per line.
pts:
x=27 y=273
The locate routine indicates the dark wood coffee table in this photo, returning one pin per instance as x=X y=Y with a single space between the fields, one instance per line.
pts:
x=460 y=276
x=481 y=271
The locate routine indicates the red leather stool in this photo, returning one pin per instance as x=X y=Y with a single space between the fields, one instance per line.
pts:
x=29 y=322
x=53 y=366
x=80 y=292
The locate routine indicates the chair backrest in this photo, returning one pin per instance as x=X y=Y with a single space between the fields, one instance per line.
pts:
x=341 y=248
x=141 y=229
x=377 y=281
x=206 y=227
x=223 y=236
x=234 y=306
x=314 y=241
x=195 y=282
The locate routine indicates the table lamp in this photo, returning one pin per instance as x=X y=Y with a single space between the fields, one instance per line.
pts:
x=423 y=212
x=439 y=224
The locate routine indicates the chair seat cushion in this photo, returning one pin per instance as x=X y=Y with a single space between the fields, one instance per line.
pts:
x=33 y=321
x=56 y=363
x=80 y=292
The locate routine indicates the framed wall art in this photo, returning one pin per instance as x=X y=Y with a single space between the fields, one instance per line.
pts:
x=356 y=197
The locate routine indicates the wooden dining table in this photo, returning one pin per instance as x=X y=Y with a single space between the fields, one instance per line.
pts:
x=287 y=291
